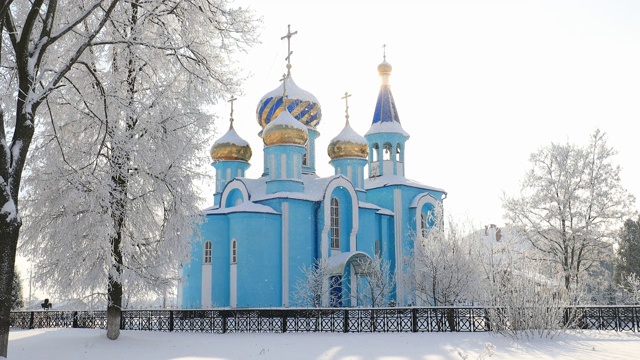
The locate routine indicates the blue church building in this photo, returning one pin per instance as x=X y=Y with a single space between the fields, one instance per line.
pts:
x=261 y=233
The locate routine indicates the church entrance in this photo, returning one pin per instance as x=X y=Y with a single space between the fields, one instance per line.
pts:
x=335 y=291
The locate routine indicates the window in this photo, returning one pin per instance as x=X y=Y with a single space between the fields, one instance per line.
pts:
x=423 y=225
x=386 y=151
x=375 y=152
x=398 y=151
x=234 y=252
x=305 y=156
x=335 y=223
x=207 y=252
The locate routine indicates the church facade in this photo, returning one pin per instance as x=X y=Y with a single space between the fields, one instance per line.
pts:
x=260 y=234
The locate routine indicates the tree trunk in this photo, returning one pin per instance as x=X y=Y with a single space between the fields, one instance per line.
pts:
x=9 y=231
x=114 y=309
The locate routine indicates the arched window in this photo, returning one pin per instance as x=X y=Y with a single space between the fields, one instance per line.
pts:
x=305 y=156
x=398 y=151
x=375 y=152
x=386 y=152
x=335 y=223
x=423 y=225
x=234 y=251
x=207 y=252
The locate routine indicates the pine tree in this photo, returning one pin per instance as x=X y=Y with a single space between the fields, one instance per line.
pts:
x=17 y=302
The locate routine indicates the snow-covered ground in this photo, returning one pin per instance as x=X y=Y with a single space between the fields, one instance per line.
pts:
x=93 y=344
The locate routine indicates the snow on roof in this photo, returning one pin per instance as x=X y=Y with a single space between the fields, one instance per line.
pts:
x=349 y=135
x=286 y=119
x=231 y=137
x=293 y=92
x=246 y=206
x=336 y=263
x=388 y=180
x=386 y=127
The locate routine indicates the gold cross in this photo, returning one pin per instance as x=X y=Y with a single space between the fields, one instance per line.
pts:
x=233 y=98
x=346 y=102
x=289 y=52
x=384 y=52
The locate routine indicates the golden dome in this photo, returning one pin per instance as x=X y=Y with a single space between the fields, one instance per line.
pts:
x=348 y=144
x=285 y=129
x=231 y=147
x=384 y=68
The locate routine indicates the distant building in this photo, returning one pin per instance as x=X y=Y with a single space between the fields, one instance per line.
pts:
x=260 y=233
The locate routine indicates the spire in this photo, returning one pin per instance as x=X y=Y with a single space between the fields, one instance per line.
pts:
x=385 y=117
x=289 y=52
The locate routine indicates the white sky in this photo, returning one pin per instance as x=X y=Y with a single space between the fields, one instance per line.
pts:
x=478 y=85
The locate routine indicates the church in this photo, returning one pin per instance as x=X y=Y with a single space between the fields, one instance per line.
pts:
x=260 y=234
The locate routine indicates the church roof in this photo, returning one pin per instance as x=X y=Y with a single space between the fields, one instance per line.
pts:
x=389 y=180
x=246 y=206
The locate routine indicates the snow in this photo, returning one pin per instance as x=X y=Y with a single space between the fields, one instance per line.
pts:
x=386 y=127
x=231 y=137
x=246 y=206
x=389 y=180
x=293 y=92
x=285 y=119
x=9 y=208
x=93 y=344
x=349 y=135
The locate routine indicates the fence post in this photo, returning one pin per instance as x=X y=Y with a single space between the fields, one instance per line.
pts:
x=414 y=320
x=75 y=320
x=346 y=321
x=31 y=320
x=223 y=313
x=284 y=321
x=170 y=320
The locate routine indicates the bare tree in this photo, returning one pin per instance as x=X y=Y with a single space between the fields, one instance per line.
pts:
x=570 y=204
x=112 y=201
x=316 y=284
x=40 y=44
x=442 y=268
x=376 y=283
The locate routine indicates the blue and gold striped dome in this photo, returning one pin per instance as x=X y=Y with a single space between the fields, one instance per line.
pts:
x=302 y=105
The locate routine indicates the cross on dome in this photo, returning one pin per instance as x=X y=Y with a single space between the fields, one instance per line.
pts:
x=289 y=52
x=233 y=98
x=384 y=52
x=284 y=85
x=346 y=102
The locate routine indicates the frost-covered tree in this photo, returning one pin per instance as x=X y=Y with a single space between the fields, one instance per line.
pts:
x=112 y=199
x=442 y=269
x=376 y=283
x=40 y=44
x=316 y=284
x=570 y=204
x=17 y=302
x=628 y=259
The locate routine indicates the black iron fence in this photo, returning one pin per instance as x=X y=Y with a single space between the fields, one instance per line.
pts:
x=412 y=319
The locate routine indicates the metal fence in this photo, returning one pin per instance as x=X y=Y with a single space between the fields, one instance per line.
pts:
x=412 y=319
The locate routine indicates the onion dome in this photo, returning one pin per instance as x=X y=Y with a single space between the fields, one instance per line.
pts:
x=231 y=147
x=384 y=69
x=348 y=144
x=301 y=104
x=285 y=130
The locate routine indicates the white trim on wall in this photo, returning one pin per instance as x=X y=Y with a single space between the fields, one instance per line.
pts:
x=285 y=254
x=206 y=286
x=324 y=241
x=397 y=224
x=235 y=184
